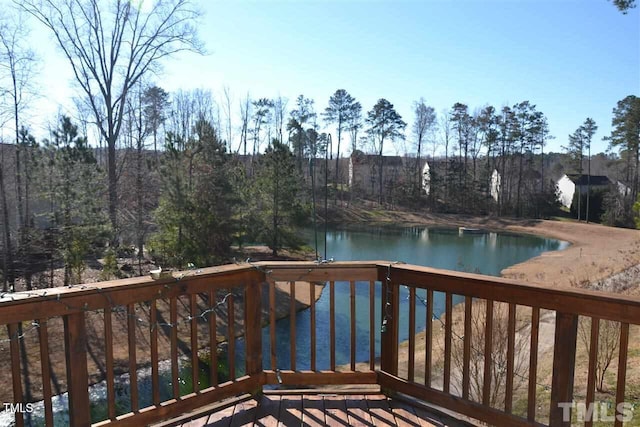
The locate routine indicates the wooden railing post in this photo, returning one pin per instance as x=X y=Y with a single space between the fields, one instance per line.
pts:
x=253 y=326
x=75 y=342
x=564 y=357
x=389 y=327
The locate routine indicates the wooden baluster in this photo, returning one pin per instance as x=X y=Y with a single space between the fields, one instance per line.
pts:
x=213 y=340
x=372 y=325
x=75 y=343
x=593 y=359
x=292 y=324
x=312 y=324
x=108 y=355
x=564 y=356
x=389 y=340
x=43 y=337
x=412 y=335
x=153 y=331
x=533 y=364
x=488 y=351
x=173 y=319
x=231 y=336
x=623 y=350
x=332 y=324
x=272 y=324
x=466 y=352
x=428 y=339
x=352 y=318
x=447 y=342
x=195 y=362
x=133 y=364
x=16 y=375
x=511 y=341
x=253 y=327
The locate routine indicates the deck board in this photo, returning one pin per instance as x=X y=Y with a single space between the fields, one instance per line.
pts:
x=380 y=412
x=271 y=410
x=335 y=411
x=313 y=411
x=267 y=412
x=357 y=410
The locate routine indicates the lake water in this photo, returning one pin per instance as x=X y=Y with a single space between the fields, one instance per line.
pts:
x=483 y=252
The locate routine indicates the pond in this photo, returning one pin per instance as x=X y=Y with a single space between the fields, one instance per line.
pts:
x=473 y=251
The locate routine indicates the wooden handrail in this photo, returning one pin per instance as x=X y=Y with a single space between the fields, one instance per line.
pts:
x=261 y=286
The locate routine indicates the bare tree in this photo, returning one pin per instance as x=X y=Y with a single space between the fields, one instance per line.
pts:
x=139 y=126
x=498 y=356
x=424 y=123
x=17 y=68
x=245 y=114
x=226 y=105
x=607 y=342
x=110 y=46
x=445 y=126
x=279 y=114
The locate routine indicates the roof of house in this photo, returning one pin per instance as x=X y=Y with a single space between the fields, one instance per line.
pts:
x=361 y=158
x=596 y=180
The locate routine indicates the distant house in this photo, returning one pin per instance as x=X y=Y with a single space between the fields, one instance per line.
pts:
x=426 y=178
x=364 y=172
x=495 y=183
x=568 y=184
x=623 y=188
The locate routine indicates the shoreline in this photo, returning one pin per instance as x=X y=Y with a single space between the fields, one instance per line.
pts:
x=595 y=253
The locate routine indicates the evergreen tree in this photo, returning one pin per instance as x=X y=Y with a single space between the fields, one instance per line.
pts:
x=384 y=124
x=196 y=218
x=72 y=185
x=155 y=102
x=300 y=118
x=625 y=135
x=277 y=192
x=341 y=107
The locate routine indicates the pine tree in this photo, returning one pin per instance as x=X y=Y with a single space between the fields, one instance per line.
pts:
x=277 y=192
x=384 y=124
x=196 y=216
x=73 y=186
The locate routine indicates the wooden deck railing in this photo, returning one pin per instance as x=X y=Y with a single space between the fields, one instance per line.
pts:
x=476 y=345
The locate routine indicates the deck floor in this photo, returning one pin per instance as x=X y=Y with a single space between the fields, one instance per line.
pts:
x=322 y=410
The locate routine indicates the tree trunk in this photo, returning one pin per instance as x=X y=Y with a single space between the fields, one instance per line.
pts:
x=140 y=210
x=418 y=168
x=380 y=175
x=335 y=182
x=113 y=190
x=519 y=208
x=588 y=183
x=8 y=281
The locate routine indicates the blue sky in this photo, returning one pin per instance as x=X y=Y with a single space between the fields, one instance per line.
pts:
x=573 y=59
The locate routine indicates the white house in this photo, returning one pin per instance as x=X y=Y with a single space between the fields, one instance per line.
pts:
x=494 y=185
x=568 y=184
x=426 y=178
x=566 y=188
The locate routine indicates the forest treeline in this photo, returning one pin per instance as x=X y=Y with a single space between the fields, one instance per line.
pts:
x=186 y=195
x=179 y=177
